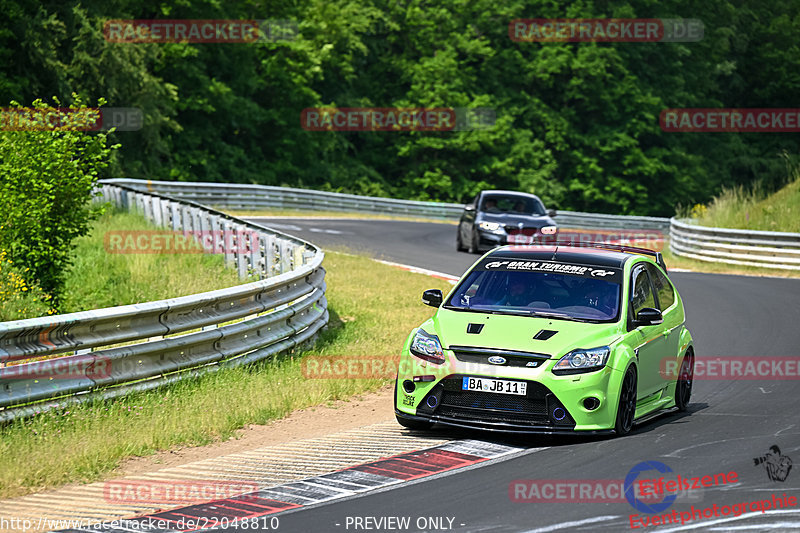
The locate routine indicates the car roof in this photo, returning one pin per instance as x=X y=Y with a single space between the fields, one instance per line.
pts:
x=514 y=193
x=567 y=254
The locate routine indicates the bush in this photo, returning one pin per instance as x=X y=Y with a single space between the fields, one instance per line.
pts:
x=18 y=300
x=47 y=183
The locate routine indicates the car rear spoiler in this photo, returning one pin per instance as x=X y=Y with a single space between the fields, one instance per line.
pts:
x=657 y=256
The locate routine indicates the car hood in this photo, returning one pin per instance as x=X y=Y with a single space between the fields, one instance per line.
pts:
x=508 y=332
x=509 y=219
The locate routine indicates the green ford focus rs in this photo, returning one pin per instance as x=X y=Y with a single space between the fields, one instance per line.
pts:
x=550 y=339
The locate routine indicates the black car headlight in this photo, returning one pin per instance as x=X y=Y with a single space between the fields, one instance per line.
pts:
x=580 y=361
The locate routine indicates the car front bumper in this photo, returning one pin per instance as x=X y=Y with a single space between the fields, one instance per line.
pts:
x=552 y=404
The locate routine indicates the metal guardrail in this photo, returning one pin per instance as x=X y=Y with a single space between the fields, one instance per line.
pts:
x=256 y=197
x=770 y=249
x=112 y=352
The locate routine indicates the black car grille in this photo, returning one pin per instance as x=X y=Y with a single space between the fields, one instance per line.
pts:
x=468 y=354
x=532 y=409
x=515 y=230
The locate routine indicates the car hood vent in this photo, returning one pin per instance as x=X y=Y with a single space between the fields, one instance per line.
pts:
x=474 y=328
x=544 y=334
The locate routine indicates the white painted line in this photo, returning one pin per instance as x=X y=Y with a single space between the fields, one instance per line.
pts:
x=418 y=270
x=574 y=523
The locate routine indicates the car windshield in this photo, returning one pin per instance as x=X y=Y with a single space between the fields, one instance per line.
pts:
x=549 y=294
x=512 y=204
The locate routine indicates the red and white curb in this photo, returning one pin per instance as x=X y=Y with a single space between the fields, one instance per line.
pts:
x=342 y=484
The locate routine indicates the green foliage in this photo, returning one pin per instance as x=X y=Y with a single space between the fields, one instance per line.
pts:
x=47 y=183
x=577 y=123
x=18 y=299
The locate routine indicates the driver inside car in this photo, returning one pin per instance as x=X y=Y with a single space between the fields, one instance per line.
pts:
x=522 y=290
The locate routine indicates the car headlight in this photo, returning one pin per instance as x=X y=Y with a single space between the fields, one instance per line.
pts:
x=490 y=226
x=579 y=361
x=427 y=347
x=549 y=230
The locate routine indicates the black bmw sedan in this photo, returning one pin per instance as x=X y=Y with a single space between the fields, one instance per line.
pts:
x=495 y=218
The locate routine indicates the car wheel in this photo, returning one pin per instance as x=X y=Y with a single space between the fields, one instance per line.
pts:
x=473 y=243
x=683 y=389
x=413 y=424
x=627 y=403
x=459 y=244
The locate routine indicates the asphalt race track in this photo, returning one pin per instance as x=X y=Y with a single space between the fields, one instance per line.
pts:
x=730 y=422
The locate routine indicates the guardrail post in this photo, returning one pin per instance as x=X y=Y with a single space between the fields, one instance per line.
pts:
x=263 y=251
x=227 y=243
x=157 y=211
x=286 y=259
x=241 y=253
x=269 y=256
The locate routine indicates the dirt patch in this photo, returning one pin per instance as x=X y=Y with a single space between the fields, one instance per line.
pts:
x=303 y=424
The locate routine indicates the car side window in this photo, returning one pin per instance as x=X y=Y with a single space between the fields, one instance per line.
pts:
x=666 y=295
x=642 y=293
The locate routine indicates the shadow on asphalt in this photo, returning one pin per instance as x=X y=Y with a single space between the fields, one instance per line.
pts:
x=439 y=432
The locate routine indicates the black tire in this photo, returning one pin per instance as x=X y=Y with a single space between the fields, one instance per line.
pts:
x=418 y=425
x=473 y=243
x=683 y=388
x=459 y=245
x=626 y=408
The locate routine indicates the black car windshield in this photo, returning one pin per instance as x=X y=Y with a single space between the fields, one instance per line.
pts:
x=555 y=295
x=511 y=204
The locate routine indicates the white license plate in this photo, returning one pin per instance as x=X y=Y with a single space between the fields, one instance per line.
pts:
x=520 y=239
x=497 y=386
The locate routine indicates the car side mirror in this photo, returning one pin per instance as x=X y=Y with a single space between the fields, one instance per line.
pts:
x=648 y=317
x=469 y=207
x=432 y=297
x=551 y=212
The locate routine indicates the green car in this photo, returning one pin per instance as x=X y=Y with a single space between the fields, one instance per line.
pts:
x=550 y=339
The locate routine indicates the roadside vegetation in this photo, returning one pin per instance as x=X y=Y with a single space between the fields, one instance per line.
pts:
x=752 y=209
x=98 y=278
x=373 y=307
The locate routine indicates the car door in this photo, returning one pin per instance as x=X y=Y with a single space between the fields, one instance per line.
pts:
x=673 y=317
x=651 y=347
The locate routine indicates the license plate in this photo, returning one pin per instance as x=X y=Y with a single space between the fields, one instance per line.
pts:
x=520 y=239
x=497 y=386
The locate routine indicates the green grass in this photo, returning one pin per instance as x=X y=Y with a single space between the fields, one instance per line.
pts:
x=752 y=209
x=373 y=307
x=99 y=279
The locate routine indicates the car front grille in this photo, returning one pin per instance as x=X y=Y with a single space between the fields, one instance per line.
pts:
x=533 y=409
x=515 y=230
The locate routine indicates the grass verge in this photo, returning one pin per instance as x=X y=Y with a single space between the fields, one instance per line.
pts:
x=751 y=209
x=99 y=279
x=373 y=307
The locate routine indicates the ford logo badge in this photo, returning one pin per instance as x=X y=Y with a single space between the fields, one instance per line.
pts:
x=497 y=360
